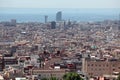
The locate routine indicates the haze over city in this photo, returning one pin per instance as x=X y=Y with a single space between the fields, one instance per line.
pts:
x=59 y=3
x=59 y=39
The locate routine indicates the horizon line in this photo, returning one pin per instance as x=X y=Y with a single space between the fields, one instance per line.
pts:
x=57 y=8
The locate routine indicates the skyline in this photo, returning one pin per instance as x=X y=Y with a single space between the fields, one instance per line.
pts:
x=60 y=4
x=50 y=7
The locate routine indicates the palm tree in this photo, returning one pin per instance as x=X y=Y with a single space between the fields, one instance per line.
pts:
x=72 y=76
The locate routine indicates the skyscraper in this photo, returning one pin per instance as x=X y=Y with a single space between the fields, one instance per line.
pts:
x=53 y=25
x=59 y=16
x=46 y=18
x=2 y=65
x=13 y=22
x=119 y=23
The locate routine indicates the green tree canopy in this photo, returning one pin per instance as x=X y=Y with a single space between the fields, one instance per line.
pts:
x=53 y=78
x=44 y=79
x=72 y=76
x=118 y=78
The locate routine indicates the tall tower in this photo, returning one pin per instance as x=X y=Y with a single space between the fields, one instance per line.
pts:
x=13 y=22
x=53 y=25
x=59 y=16
x=2 y=65
x=46 y=18
x=119 y=23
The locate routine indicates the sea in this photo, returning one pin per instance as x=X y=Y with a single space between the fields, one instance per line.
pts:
x=37 y=14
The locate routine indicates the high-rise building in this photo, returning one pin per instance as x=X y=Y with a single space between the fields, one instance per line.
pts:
x=119 y=23
x=69 y=23
x=53 y=25
x=13 y=22
x=59 y=16
x=2 y=65
x=46 y=19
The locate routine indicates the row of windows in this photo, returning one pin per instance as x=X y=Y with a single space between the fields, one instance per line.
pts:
x=92 y=74
x=98 y=69
x=49 y=75
x=104 y=65
x=37 y=72
x=102 y=69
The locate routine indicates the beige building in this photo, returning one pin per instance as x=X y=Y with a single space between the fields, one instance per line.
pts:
x=58 y=73
x=100 y=67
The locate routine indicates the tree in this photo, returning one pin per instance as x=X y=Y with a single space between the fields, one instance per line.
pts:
x=72 y=76
x=53 y=78
x=118 y=78
x=44 y=79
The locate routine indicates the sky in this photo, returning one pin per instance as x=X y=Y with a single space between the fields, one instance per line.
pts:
x=59 y=3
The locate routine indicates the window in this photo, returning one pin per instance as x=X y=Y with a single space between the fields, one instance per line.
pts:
x=113 y=69
x=91 y=64
x=113 y=65
x=107 y=65
x=118 y=67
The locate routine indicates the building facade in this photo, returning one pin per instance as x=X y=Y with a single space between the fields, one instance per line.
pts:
x=53 y=25
x=58 y=73
x=2 y=65
x=101 y=67
x=59 y=16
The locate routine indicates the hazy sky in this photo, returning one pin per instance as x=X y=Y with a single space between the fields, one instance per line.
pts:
x=60 y=3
